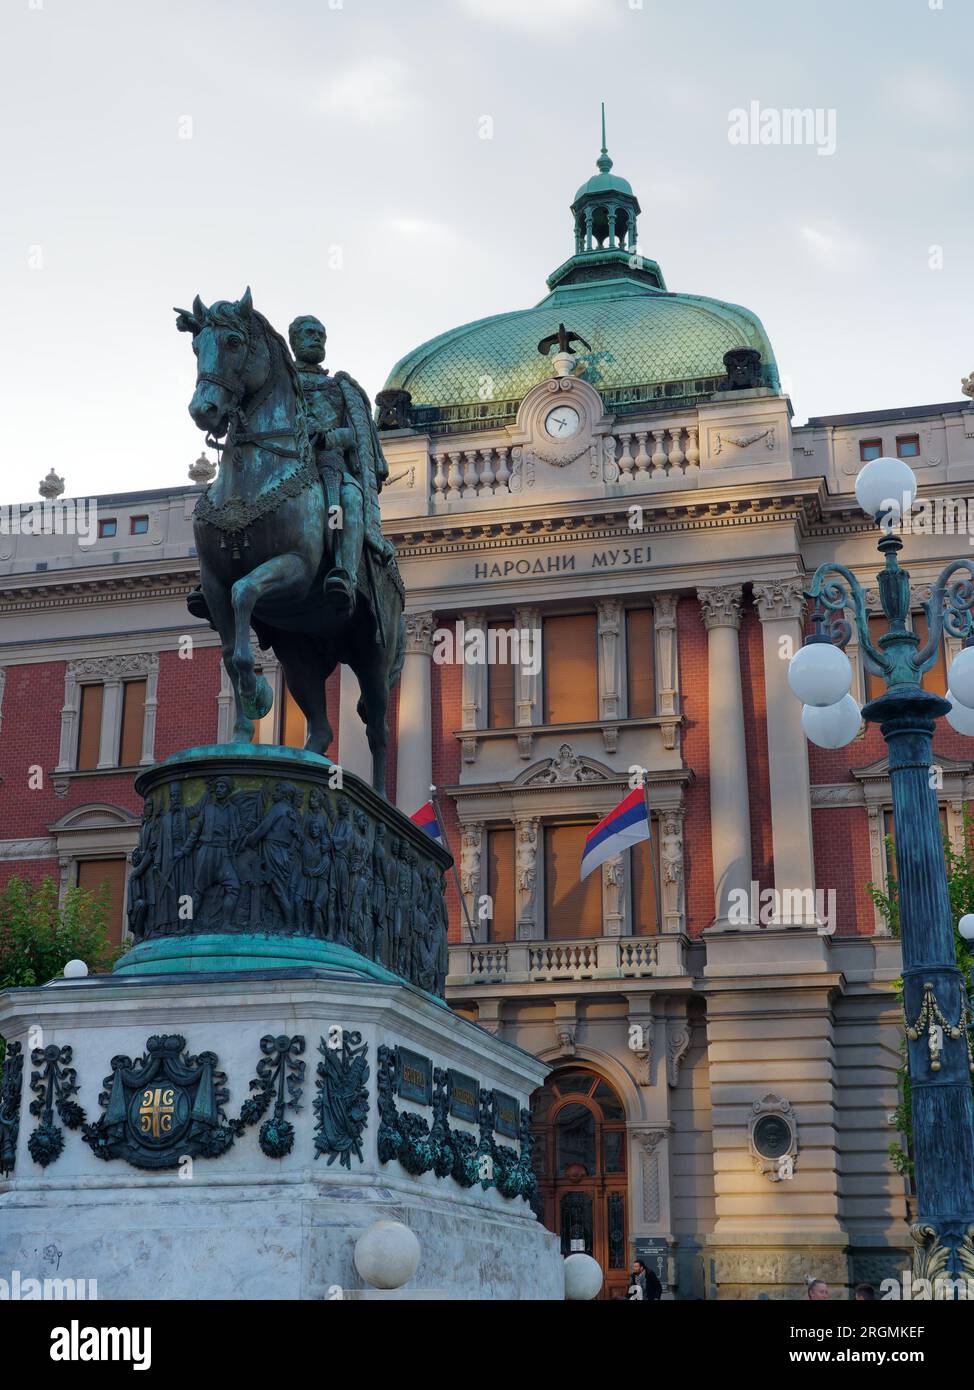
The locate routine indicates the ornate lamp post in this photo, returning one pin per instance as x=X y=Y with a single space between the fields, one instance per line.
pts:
x=935 y=995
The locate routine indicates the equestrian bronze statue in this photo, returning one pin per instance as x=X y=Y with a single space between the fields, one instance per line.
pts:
x=288 y=532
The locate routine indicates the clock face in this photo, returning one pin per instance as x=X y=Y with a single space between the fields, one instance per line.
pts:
x=563 y=422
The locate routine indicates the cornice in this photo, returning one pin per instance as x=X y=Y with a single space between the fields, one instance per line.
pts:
x=75 y=589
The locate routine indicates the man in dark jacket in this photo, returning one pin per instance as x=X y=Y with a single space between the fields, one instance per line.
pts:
x=643 y=1283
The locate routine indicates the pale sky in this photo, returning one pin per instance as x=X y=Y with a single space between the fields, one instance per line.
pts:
x=335 y=162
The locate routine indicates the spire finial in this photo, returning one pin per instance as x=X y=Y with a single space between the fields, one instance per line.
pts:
x=603 y=163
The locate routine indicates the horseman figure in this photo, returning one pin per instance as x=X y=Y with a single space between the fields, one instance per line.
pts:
x=352 y=470
x=288 y=533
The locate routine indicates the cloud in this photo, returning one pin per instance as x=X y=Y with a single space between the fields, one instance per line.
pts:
x=831 y=246
x=929 y=97
x=552 y=18
x=422 y=230
x=376 y=91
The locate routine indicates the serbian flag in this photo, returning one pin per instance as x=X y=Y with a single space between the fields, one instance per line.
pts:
x=426 y=819
x=625 y=826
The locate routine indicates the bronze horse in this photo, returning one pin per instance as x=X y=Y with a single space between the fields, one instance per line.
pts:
x=263 y=538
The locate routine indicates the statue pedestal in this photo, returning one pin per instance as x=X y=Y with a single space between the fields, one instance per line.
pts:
x=256 y=856
x=187 y=1181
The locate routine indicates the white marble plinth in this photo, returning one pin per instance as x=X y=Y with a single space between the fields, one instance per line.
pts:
x=242 y=1225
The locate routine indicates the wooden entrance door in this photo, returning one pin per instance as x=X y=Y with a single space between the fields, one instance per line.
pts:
x=580 y=1158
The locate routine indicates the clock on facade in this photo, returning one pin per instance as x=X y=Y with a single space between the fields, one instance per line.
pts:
x=562 y=422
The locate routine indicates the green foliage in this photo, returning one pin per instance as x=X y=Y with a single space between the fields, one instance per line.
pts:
x=960 y=886
x=39 y=935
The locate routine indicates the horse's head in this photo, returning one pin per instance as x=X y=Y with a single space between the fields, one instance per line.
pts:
x=231 y=354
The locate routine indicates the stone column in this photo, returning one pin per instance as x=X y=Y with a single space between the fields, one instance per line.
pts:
x=664 y=626
x=527 y=841
x=473 y=875
x=473 y=676
x=414 y=750
x=527 y=693
x=730 y=821
x=610 y=658
x=354 y=753
x=780 y=605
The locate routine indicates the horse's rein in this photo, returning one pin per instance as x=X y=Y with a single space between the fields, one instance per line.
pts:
x=235 y=412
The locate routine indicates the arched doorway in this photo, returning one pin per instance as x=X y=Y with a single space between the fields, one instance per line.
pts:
x=579 y=1128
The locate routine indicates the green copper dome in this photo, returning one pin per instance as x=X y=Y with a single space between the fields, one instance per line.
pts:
x=649 y=349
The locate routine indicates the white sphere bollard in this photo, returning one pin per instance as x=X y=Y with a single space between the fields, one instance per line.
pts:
x=75 y=970
x=387 y=1254
x=583 y=1278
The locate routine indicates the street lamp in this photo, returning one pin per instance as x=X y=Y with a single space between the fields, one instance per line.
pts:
x=934 y=992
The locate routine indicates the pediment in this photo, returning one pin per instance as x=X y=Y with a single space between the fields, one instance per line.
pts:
x=565 y=769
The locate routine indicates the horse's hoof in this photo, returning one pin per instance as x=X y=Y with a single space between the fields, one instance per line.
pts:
x=257 y=705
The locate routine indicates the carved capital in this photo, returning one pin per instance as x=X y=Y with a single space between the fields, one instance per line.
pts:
x=419 y=633
x=721 y=605
x=780 y=598
x=664 y=610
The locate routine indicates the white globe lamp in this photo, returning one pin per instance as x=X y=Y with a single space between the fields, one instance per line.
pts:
x=819 y=674
x=886 y=486
x=960 y=677
x=960 y=717
x=75 y=970
x=832 y=726
x=966 y=926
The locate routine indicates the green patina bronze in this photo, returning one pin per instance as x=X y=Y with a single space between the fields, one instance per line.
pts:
x=649 y=348
x=288 y=532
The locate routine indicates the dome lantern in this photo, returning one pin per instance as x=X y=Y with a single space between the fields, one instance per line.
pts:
x=605 y=210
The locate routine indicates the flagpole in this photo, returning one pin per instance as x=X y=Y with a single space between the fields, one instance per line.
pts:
x=652 y=854
x=456 y=874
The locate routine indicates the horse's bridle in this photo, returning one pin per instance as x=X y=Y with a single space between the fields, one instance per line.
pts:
x=235 y=414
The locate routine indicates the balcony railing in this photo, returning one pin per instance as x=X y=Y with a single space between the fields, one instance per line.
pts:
x=602 y=958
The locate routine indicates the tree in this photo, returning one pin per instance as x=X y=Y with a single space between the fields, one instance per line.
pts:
x=39 y=935
x=960 y=886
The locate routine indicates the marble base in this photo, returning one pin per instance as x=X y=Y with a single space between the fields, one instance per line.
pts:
x=243 y=1225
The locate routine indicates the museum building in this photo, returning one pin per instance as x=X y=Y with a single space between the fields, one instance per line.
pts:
x=612 y=482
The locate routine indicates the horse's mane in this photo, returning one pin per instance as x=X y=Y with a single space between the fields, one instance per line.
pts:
x=224 y=314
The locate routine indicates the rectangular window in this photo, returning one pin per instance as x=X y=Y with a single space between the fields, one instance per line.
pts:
x=294 y=726
x=934 y=680
x=93 y=875
x=644 y=885
x=573 y=907
x=641 y=662
x=870 y=449
x=907 y=446
x=108 y=526
x=501 y=885
x=571 y=678
x=133 y=721
x=89 y=726
x=500 y=677
x=138 y=526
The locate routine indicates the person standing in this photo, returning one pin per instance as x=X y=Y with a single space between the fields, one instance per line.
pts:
x=643 y=1284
